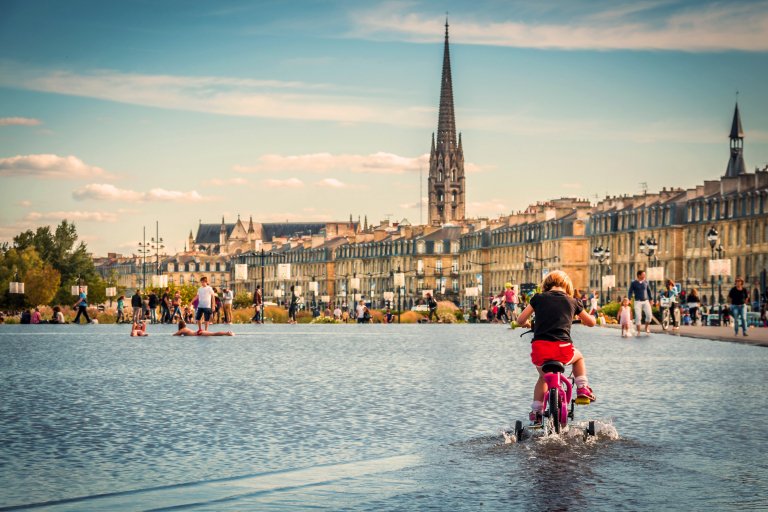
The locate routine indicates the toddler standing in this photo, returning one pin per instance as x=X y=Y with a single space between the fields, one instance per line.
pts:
x=625 y=318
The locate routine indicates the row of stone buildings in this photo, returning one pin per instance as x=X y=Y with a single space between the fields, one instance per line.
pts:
x=454 y=260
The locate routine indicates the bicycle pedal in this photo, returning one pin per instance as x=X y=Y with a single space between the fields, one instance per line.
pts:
x=582 y=400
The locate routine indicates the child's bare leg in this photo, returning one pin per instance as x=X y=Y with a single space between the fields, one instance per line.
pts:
x=579 y=367
x=540 y=389
x=580 y=374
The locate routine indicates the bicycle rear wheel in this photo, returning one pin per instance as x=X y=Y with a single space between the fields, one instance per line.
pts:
x=519 y=430
x=554 y=409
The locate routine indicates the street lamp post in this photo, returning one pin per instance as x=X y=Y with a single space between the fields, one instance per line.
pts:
x=601 y=254
x=144 y=249
x=649 y=247
x=157 y=244
x=712 y=238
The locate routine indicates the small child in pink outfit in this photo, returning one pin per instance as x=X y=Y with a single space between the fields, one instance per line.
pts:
x=625 y=318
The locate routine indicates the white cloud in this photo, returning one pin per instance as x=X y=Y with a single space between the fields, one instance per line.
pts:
x=48 y=166
x=216 y=182
x=217 y=95
x=287 y=183
x=161 y=194
x=107 y=192
x=334 y=183
x=375 y=163
x=19 y=121
x=24 y=203
x=416 y=205
x=58 y=216
x=697 y=28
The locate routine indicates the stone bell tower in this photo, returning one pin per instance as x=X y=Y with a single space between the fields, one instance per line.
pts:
x=446 y=184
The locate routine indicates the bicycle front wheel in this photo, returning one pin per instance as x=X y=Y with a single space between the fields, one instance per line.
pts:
x=554 y=409
x=665 y=319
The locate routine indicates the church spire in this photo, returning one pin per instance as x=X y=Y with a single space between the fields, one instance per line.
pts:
x=446 y=122
x=446 y=182
x=736 y=164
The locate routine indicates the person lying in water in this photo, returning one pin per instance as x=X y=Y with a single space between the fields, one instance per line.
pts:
x=139 y=329
x=186 y=331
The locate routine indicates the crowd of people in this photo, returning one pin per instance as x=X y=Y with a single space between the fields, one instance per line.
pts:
x=635 y=310
x=686 y=307
x=168 y=308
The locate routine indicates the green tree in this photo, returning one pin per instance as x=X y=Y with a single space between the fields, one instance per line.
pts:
x=15 y=264
x=41 y=285
x=59 y=249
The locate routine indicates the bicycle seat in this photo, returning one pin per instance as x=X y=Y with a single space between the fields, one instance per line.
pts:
x=553 y=367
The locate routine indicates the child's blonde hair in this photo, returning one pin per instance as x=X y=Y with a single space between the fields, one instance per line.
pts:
x=557 y=278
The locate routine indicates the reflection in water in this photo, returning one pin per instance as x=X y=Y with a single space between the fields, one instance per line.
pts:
x=370 y=418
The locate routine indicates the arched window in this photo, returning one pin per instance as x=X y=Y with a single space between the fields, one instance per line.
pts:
x=453 y=197
x=440 y=175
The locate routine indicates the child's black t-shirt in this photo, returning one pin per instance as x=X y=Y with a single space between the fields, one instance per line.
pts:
x=554 y=315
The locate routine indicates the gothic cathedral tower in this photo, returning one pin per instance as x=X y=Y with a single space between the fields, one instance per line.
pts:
x=446 y=185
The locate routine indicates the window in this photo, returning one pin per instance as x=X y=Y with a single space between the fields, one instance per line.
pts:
x=439 y=247
x=421 y=247
x=439 y=266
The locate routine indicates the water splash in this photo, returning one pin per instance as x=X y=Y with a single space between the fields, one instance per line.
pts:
x=605 y=430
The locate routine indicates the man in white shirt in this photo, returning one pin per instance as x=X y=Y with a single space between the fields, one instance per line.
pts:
x=227 y=298
x=204 y=304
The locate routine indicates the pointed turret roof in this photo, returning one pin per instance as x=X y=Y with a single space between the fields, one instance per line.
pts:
x=736 y=165
x=446 y=122
x=250 y=225
x=737 y=132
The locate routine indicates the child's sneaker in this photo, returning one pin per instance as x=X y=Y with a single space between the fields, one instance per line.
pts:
x=586 y=392
x=535 y=417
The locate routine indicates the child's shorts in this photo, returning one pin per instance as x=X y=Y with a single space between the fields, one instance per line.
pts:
x=543 y=350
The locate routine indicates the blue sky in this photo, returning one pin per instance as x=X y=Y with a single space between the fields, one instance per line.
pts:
x=117 y=114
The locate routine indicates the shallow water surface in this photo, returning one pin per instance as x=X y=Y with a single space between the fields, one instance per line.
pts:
x=370 y=417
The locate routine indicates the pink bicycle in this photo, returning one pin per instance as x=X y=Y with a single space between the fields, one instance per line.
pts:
x=560 y=403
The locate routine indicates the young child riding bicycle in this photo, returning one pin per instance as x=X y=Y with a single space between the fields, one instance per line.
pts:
x=555 y=308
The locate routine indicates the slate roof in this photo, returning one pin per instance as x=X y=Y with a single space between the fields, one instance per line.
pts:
x=289 y=229
x=446 y=233
x=209 y=233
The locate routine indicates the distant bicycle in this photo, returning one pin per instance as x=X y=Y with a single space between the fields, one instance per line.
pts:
x=560 y=403
x=666 y=305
